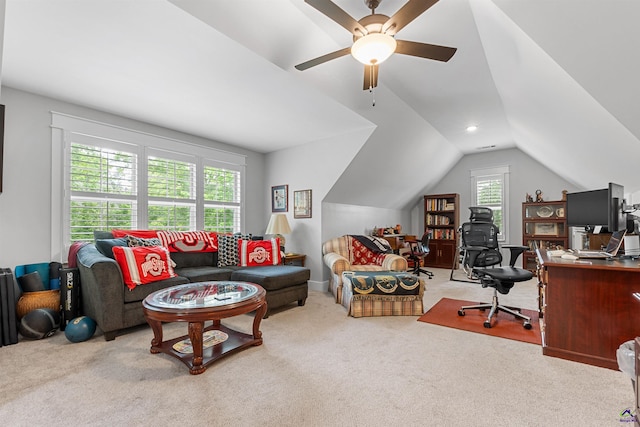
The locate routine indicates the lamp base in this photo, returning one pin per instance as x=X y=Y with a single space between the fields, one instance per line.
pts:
x=281 y=237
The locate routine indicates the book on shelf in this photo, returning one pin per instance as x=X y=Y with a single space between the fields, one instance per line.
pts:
x=440 y=205
x=442 y=234
x=438 y=220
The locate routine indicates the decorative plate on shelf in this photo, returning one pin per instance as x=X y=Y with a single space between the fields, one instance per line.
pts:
x=545 y=211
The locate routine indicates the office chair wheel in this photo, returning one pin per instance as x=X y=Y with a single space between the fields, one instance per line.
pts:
x=487 y=324
x=460 y=312
x=527 y=325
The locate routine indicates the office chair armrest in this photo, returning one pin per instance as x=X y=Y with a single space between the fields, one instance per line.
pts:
x=516 y=251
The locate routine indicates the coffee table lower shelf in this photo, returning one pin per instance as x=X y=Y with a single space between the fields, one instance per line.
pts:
x=235 y=342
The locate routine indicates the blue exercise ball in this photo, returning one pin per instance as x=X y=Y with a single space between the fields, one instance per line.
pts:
x=80 y=329
x=39 y=323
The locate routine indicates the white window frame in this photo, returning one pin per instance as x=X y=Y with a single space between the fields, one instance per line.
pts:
x=502 y=173
x=66 y=128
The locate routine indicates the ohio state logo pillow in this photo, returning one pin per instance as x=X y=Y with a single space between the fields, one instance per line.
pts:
x=141 y=265
x=259 y=252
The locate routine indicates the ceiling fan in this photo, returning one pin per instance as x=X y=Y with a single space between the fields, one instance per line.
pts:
x=373 y=37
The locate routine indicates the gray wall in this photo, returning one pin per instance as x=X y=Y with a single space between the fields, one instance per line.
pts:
x=526 y=176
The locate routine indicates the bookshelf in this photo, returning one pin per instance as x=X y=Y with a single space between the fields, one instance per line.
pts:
x=544 y=226
x=441 y=220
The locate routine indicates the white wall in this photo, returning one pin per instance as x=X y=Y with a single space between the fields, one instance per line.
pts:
x=316 y=167
x=25 y=203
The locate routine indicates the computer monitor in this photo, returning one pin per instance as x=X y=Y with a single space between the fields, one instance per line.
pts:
x=593 y=208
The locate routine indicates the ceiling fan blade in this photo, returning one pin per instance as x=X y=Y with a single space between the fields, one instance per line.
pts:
x=370 y=77
x=338 y=15
x=407 y=13
x=324 y=58
x=425 y=50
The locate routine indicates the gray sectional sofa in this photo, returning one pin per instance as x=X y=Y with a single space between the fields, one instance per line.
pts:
x=114 y=307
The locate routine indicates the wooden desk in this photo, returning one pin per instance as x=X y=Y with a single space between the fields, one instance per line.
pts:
x=588 y=308
x=396 y=241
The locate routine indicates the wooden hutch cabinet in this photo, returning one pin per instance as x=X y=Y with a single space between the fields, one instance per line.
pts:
x=544 y=226
x=441 y=219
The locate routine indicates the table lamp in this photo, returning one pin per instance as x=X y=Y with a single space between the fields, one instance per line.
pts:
x=278 y=225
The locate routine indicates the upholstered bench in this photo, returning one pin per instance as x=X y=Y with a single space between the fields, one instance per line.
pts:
x=382 y=293
x=284 y=283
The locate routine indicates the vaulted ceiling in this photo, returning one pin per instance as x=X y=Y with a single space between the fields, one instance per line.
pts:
x=555 y=78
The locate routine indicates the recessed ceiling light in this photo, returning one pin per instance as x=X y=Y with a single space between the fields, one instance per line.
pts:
x=472 y=128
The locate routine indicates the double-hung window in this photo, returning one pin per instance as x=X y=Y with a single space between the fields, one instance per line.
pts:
x=119 y=178
x=490 y=188
x=103 y=187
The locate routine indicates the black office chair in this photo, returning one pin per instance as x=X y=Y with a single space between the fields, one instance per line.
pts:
x=419 y=249
x=482 y=255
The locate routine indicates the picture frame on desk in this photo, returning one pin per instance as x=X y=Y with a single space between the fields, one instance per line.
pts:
x=545 y=229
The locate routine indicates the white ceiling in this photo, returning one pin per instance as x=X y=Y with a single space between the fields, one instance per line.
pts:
x=555 y=78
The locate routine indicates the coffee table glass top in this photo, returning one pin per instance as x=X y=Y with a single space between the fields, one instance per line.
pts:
x=202 y=295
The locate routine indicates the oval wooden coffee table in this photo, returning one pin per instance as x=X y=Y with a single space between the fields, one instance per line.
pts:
x=197 y=303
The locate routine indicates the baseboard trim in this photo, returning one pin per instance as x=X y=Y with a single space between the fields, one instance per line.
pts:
x=319 y=286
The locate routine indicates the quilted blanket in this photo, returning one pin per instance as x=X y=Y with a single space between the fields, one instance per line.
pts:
x=382 y=282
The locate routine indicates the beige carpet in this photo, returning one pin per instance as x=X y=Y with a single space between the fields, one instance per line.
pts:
x=317 y=367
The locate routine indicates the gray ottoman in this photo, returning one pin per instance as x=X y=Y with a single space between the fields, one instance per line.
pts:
x=284 y=283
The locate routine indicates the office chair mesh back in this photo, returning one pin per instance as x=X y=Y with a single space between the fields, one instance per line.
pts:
x=483 y=234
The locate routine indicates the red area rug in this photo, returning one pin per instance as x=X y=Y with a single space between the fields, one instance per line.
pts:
x=445 y=313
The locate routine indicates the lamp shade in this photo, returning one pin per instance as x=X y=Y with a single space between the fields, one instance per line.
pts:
x=373 y=48
x=278 y=224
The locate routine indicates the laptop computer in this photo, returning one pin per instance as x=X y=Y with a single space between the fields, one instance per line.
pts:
x=610 y=251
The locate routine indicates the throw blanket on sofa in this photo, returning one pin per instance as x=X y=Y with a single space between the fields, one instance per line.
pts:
x=188 y=241
x=177 y=241
x=373 y=244
x=382 y=282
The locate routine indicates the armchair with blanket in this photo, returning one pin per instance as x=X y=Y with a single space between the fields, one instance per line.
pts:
x=358 y=253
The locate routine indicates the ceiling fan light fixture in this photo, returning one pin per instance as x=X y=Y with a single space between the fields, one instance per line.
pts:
x=373 y=48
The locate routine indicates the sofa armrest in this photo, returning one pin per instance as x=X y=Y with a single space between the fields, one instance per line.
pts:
x=393 y=262
x=102 y=288
x=336 y=262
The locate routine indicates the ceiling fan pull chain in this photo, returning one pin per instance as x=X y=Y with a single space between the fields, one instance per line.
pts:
x=371 y=88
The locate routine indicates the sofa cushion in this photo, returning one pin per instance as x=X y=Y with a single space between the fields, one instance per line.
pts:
x=142 y=265
x=194 y=259
x=100 y=234
x=273 y=277
x=105 y=246
x=204 y=274
x=259 y=252
x=140 y=292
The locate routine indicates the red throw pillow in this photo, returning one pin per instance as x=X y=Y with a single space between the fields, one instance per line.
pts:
x=141 y=265
x=259 y=252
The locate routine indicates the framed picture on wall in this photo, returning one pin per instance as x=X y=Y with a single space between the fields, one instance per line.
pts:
x=302 y=204
x=279 y=196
